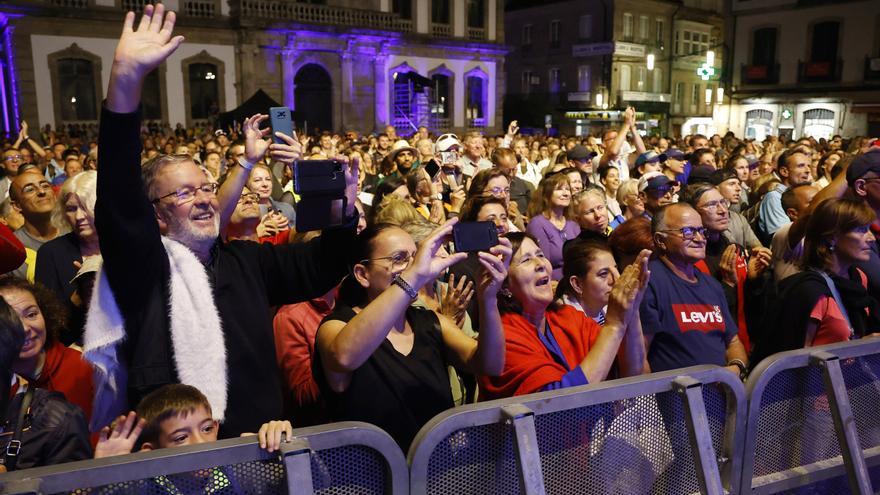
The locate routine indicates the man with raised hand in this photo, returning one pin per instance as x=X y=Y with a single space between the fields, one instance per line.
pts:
x=195 y=310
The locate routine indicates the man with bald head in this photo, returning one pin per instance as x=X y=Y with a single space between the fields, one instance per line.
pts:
x=684 y=313
x=31 y=195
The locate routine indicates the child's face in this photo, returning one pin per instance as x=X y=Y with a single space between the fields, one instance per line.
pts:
x=188 y=429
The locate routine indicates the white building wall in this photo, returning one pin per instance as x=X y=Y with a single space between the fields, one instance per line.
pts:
x=43 y=45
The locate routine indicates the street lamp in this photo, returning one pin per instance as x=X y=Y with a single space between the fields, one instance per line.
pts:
x=650 y=61
x=719 y=95
x=599 y=98
x=710 y=58
x=708 y=96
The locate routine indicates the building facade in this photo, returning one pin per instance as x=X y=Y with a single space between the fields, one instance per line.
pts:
x=339 y=64
x=806 y=68
x=581 y=63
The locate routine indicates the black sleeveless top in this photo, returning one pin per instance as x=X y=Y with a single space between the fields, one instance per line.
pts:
x=394 y=392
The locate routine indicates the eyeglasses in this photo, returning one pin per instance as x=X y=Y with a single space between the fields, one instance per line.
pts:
x=498 y=191
x=12 y=157
x=715 y=205
x=249 y=198
x=187 y=194
x=31 y=189
x=399 y=261
x=688 y=233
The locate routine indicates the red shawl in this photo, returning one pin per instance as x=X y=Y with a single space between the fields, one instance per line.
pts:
x=65 y=371
x=528 y=365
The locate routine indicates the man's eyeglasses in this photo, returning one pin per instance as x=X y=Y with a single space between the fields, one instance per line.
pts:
x=498 y=191
x=716 y=205
x=688 y=233
x=249 y=198
x=399 y=261
x=12 y=157
x=31 y=189
x=187 y=194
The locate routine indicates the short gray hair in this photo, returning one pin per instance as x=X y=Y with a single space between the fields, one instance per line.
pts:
x=154 y=166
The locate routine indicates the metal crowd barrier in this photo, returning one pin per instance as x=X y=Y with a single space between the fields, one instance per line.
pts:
x=813 y=421
x=666 y=433
x=339 y=459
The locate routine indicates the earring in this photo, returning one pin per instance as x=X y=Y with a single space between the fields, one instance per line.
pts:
x=505 y=292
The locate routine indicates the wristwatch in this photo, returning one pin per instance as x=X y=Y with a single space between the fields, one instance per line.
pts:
x=403 y=284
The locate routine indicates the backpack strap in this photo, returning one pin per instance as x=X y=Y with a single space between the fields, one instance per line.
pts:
x=13 y=448
x=837 y=299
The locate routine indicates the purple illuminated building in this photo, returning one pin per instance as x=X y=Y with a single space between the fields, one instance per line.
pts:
x=339 y=64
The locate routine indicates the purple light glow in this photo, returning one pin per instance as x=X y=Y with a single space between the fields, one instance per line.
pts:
x=10 y=64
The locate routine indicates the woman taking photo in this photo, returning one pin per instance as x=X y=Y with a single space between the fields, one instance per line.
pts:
x=838 y=236
x=382 y=361
x=550 y=210
x=549 y=345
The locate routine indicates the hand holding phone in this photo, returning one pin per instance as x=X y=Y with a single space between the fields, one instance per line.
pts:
x=474 y=236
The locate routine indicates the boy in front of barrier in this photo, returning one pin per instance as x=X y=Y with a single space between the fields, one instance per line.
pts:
x=173 y=416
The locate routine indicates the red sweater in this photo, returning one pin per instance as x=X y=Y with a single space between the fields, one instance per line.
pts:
x=528 y=365
x=65 y=371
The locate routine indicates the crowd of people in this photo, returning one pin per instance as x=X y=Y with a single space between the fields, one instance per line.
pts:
x=165 y=296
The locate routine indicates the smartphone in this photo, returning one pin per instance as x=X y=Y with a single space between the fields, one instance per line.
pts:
x=319 y=178
x=432 y=168
x=448 y=157
x=281 y=122
x=474 y=236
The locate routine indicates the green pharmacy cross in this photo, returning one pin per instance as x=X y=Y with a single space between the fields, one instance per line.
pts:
x=705 y=71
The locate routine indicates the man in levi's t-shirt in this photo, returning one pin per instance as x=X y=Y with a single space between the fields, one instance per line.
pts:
x=684 y=314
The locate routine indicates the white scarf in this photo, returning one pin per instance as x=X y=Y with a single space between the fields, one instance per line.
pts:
x=196 y=338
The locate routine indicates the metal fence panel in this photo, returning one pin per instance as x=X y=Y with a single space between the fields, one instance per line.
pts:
x=345 y=459
x=791 y=441
x=625 y=436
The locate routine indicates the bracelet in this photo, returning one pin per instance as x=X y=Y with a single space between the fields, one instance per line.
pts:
x=739 y=364
x=245 y=164
x=403 y=284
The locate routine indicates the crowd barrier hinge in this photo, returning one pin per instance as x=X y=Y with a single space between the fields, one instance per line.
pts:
x=705 y=463
x=531 y=478
x=297 y=457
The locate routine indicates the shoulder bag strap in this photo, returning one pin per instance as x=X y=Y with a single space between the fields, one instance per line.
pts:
x=839 y=301
x=13 y=448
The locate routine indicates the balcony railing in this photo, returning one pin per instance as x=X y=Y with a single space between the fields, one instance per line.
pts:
x=872 y=69
x=441 y=30
x=322 y=14
x=476 y=34
x=759 y=74
x=810 y=72
x=199 y=8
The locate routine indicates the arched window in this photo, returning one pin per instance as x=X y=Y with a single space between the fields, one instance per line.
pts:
x=313 y=98
x=819 y=123
x=442 y=82
x=204 y=92
x=76 y=77
x=410 y=106
x=759 y=124
x=476 y=98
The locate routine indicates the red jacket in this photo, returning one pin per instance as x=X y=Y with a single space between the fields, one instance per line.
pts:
x=65 y=371
x=528 y=365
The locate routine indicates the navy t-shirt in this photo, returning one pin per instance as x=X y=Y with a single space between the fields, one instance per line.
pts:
x=689 y=322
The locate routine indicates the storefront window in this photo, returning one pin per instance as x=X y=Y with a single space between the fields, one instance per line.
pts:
x=819 y=123
x=759 y=124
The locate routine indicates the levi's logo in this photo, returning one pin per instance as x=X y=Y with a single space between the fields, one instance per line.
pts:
x=701 y=317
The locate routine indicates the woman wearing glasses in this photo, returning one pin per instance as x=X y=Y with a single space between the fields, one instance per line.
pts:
x=383 y=361
x=730 y=263
x=494 y=182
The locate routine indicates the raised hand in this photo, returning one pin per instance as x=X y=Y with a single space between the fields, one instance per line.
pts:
x=626 y=295
x=454 y=298
x=121 y=438
x=629 y=117
x=137 y=53
x=495 y=266
x=512 y=129
x=255 y=144
x=426 y=265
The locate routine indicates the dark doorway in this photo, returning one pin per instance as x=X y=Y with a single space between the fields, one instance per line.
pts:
x=313 y=93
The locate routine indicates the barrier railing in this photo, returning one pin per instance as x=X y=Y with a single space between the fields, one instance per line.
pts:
x=813 y=421
x=807 y=421
x=671 y=432
x=338 y=458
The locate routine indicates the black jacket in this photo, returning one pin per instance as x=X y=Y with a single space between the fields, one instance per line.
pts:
x=247 y=279
x=55 y=432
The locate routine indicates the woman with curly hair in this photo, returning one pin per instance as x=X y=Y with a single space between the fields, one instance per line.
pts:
x=44 y=360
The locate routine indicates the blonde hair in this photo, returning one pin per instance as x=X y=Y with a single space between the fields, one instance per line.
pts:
x=84 y=186
x=395 y=210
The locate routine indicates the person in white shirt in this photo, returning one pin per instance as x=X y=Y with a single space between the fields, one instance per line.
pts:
x=617 y=149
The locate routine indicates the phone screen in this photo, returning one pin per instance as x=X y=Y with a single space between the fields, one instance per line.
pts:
x=432 y=168
x=474 y=236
